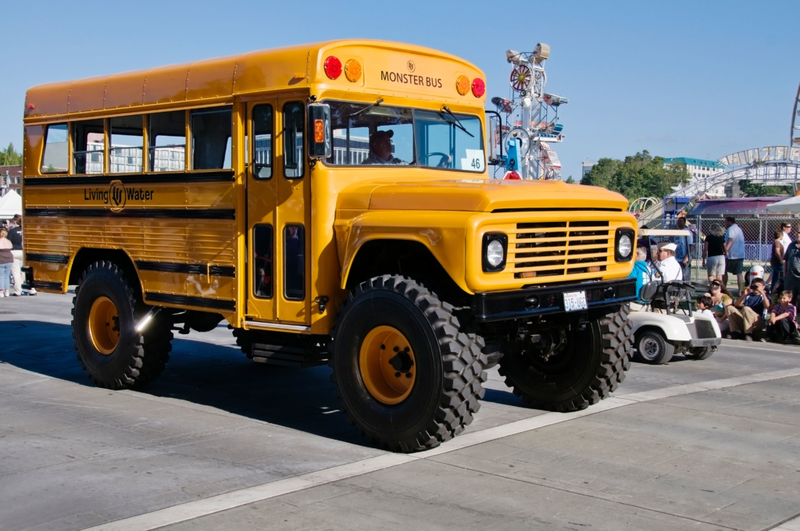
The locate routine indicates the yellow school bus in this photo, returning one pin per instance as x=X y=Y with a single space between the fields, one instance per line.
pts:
x=332 y=203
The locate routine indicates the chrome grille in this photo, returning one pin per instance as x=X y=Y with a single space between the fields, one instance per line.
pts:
x=558 y=248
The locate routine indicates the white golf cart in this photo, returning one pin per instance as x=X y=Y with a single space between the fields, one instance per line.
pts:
x=667 y=323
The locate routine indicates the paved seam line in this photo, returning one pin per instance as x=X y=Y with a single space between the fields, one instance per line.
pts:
x=237 y=498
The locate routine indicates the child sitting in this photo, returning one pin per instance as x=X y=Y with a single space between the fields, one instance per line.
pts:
x=703 y=305
x=782 y=327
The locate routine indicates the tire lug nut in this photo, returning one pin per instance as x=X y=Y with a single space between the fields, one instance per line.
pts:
x=396 y=349
x=397 y=375
x=408 y=375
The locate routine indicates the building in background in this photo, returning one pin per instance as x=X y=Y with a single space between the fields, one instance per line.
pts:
x=10 y=179
x=586 y=167
x=701 y=170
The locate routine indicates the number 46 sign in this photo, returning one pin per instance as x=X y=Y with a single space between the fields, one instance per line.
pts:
x=474 y=161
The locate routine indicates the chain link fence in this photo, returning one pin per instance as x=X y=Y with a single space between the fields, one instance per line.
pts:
x=758 y=237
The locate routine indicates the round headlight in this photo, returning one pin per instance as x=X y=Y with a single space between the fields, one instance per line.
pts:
x=494 y=253
x=624 y=246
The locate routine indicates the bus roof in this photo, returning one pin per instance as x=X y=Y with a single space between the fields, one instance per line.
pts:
x=388 y=68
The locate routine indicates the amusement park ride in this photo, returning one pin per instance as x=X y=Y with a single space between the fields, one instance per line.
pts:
x=531 y=122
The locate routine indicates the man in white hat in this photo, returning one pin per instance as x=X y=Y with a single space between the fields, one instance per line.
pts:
x=670 y=268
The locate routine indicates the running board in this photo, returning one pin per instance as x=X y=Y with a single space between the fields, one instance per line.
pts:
x=288 y=356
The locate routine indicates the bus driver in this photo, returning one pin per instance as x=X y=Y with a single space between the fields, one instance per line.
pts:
x=380 y=149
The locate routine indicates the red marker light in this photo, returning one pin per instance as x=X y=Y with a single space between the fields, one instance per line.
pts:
x=333 y=67
x=31 y=106
x=512 y=176
x=478 y=87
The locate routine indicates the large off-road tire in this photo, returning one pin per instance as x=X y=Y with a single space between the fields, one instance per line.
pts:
x=652 y=347
x=407 y=378
x=700 y=353
x=591 y=366
x=104 y=313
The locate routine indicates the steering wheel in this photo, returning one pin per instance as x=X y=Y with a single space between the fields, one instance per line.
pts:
x=445 y=161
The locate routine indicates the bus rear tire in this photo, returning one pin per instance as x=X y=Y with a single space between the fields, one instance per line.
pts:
x=407 y=378
x=105 y=310
x=589 y=368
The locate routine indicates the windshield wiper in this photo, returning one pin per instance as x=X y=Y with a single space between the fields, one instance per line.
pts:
x=371 y=105
x=457 y=121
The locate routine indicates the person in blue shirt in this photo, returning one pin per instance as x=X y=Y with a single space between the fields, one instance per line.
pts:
x=641 y=271
x=746 y=314
x=684 y=247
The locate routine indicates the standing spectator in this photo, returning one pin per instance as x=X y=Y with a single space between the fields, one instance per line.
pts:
x=15 y=235
x=782 y=327
x=6 y=259
x=683 y=248
x=786 y=235
x=746 y=314
x=791 y=268
x=714 y=251
x=734 y=252
x=776 y=261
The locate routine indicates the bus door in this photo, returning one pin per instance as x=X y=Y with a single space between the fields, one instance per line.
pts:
x=277 y=215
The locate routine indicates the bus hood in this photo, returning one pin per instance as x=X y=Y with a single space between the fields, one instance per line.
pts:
x=478 y=195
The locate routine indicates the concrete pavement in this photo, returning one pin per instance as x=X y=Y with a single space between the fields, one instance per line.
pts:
x=219 y=441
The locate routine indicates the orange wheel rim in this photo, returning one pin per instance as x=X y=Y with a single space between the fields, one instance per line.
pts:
x=104 y=325
x=388 y=366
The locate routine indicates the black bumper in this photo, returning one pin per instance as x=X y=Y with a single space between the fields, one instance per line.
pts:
x=547 y=300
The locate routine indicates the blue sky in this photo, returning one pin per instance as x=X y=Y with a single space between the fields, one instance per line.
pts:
x=680 y=79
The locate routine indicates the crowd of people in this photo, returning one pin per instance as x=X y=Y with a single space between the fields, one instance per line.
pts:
x=11 y=259
x=763 y=308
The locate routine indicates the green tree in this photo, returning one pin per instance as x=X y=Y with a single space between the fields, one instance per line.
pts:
x=570 y=180
x=751 y=189
x=9 y=156
x=640 y=175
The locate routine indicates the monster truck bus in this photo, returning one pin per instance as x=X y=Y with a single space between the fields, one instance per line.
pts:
x=331 y=202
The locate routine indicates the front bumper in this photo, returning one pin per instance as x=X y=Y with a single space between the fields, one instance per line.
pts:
x=547 y=300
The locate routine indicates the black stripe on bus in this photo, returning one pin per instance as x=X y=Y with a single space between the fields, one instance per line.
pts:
x=42 y=284
x=195 y=269
x=49 y=258
x=133 y=178
x=177 y=213
x=186 y=300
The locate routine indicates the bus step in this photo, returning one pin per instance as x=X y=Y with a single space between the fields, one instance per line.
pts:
x=288 y=356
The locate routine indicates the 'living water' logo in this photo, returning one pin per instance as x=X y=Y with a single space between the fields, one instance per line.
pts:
x=117 y=195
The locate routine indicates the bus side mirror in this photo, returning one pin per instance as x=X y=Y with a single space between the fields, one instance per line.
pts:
x=319 y=126
x=494 y=139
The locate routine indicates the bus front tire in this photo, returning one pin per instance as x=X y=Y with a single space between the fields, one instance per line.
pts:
x=104 y=314
x=588 y=368
x=406 y=377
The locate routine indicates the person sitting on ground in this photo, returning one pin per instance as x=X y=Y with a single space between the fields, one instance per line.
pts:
x=667 y=264
x=745 y=315
x=720 y=299
x=782 y=327
x=641 y=272
x=703 y=305
x=380 y=149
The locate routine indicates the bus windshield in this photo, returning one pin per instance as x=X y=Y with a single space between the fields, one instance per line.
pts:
x=377 y=134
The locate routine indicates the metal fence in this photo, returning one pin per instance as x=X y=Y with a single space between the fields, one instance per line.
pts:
x=758 y=235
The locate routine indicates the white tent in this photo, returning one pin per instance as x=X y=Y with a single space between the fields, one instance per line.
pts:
x=787 y=206
x=10 y=205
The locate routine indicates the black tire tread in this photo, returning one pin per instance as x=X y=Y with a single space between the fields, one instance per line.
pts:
x=615 y=334
x=148 y=355
x=462 y=357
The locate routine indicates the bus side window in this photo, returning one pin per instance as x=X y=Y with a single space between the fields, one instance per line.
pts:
x=211 y=139
x=294 y=245
x=262 y=261
x=293 y=153
x=262 y=141
x=126 y=141
x=167 y=137
x=88 y=146
x=56 y=157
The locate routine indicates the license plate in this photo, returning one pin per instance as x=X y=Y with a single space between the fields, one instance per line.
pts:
x=574 y=301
